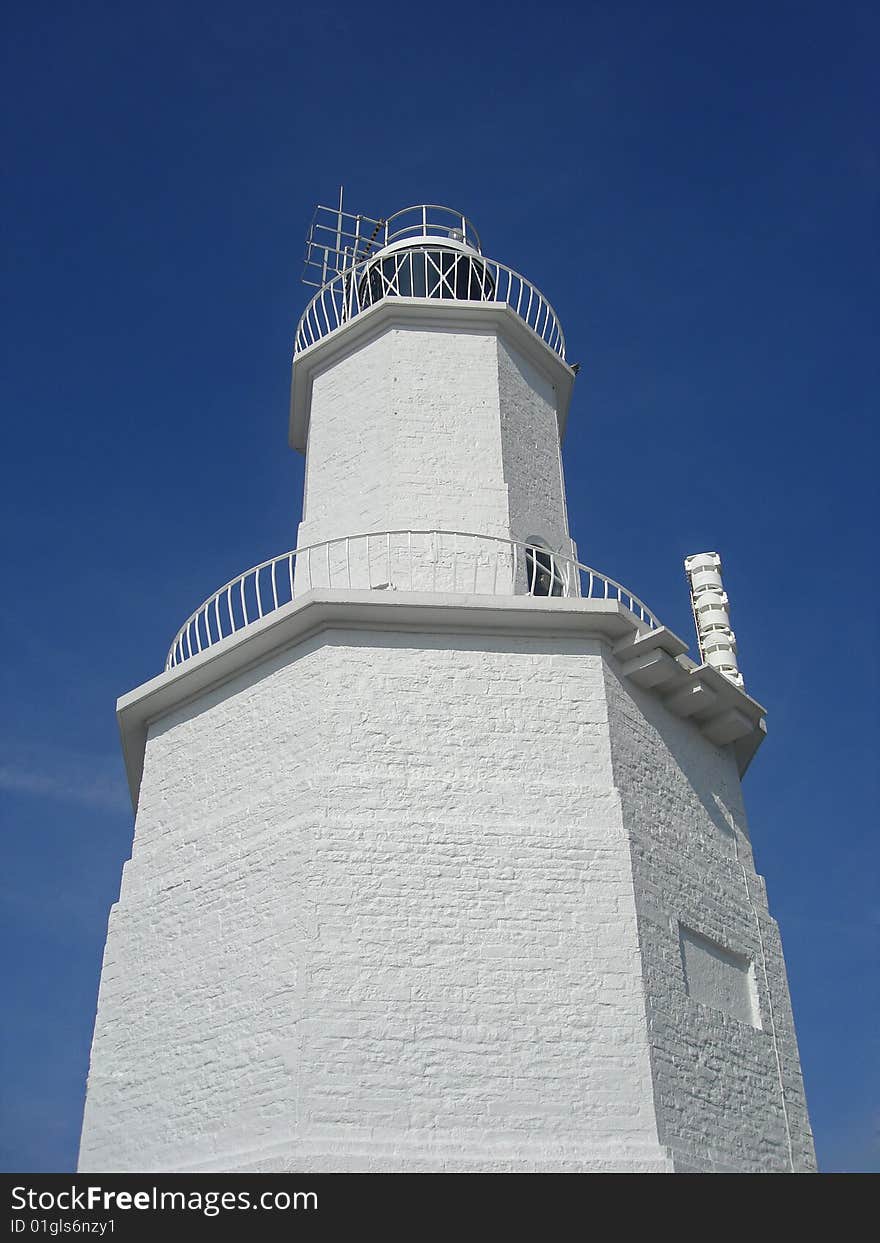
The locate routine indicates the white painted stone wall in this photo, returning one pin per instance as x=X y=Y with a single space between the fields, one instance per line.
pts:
x=409 y=902
x=729 y=1095
x=379 y=915
x=422 y=428
x=531 y=453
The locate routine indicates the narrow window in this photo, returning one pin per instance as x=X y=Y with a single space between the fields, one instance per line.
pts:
x=543 y=572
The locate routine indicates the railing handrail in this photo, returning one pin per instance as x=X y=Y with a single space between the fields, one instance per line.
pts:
x=558 y=561
x=421 y=210
x=342 y=298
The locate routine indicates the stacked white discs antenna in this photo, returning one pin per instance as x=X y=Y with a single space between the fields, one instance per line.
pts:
x=716 y=640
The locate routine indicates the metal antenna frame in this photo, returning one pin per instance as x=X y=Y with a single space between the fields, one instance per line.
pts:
x=334 y=242
x=338 y=240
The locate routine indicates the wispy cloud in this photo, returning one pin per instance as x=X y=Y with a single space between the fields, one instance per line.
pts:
x=66 y=776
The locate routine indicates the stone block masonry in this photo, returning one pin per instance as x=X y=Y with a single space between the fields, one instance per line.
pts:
x=396 y=902
x=728 y=1087
x=420 y=428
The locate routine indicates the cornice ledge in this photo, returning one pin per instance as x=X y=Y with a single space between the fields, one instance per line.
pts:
x=721 y=710
x=654 y=660
x=324 y=609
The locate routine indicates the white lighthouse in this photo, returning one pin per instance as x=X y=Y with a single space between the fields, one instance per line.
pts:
x=440 y=857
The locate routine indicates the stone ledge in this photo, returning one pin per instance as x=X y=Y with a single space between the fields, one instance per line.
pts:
x=409 y=1154
x=654 y=659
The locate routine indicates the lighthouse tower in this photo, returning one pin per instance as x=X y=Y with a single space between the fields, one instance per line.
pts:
x=440 y=857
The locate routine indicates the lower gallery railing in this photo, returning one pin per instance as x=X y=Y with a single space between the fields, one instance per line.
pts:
x=450 y=562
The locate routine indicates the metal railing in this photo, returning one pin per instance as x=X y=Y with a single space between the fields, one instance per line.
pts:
x=453 y=562
x=429 y=220
x=426 y=270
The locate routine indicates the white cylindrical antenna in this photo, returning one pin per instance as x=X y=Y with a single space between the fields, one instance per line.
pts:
x=716 y=640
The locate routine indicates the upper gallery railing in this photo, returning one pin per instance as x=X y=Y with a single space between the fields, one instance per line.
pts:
x=426 y=269
x=453 y=562
x=423 y=220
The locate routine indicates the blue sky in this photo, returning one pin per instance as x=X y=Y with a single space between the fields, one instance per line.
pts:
x=694 y=187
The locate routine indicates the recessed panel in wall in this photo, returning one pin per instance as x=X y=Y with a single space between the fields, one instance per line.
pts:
x=719 y=977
